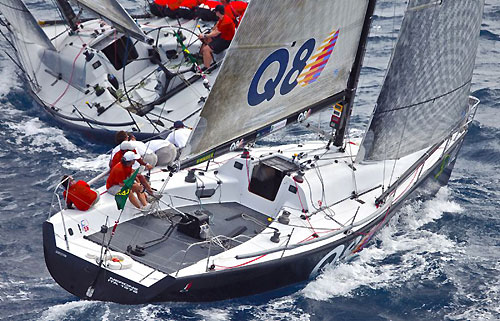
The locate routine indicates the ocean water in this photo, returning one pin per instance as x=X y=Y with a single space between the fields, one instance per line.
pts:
x=436 y=260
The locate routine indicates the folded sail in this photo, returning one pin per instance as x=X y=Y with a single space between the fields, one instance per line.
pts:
x=425 y=92
x=113 y=11
x=23 y=25
x=286 y=56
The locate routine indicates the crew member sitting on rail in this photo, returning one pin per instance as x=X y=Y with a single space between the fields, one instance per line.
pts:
x=126 y=147
x=206 y=10
x=187 y=9
x=165 y=8
x=121 y=172
x=78 y=193
x=235 y=10
x=218 y=39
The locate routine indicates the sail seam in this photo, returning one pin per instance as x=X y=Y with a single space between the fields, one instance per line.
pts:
x=428 y=100
x=13 y=8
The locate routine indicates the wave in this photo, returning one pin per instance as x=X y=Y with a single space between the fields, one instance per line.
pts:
x=376 y=267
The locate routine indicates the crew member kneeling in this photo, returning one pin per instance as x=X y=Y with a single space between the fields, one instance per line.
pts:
x=78 y=193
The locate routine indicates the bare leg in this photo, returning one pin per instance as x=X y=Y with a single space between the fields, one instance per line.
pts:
x=136 y=188
x=206 y=51
x=144 y=182
x=134 y=200
x=142 y=198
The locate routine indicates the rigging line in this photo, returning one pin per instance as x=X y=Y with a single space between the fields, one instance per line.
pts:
x=399 y=148
x=303 y=209
x=125 y=58
x=352 y=162
x=428 y=100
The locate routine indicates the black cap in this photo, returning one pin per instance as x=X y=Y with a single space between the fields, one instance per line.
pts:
x=219 y=8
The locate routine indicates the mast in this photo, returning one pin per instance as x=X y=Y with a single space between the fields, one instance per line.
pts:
x=68 y=13
x=352 y=83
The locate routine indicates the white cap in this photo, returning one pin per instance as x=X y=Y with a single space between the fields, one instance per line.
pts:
x=130 y=156
x=126 y=145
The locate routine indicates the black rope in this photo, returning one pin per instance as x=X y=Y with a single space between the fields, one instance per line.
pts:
x=428 y=100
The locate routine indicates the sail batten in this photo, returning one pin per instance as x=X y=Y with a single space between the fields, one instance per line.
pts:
x=285 y=58
x=425 y=92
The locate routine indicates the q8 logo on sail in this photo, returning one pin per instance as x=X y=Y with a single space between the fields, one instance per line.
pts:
x=305 y=65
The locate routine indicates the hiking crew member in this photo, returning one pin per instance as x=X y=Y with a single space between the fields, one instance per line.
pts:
x=78 y=193
x=205 y=11
x=219 y=38
x=165 y=8
x=121 y=172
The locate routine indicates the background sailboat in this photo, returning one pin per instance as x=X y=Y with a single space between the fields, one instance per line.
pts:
x=109 y=73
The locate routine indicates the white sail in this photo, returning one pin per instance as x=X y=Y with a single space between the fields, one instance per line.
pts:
x=285 y=57
x=23 y=25
x=426 y=89
x=28 y=37
x=114 y=12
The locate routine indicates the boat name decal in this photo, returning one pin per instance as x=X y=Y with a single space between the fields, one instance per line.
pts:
x=337 y=254
x=61 y=253
x=204 y=158
x=304 y=115
x=237 y=144
x=123 y=285
x=306 y=68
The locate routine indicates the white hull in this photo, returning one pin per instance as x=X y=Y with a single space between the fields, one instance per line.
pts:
x=64 y=82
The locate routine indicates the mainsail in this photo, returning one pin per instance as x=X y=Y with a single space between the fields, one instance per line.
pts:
x=425 y=92
x=113 y=11
x=286 y=57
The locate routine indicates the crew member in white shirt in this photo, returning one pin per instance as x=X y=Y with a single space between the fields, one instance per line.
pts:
x=179 y=136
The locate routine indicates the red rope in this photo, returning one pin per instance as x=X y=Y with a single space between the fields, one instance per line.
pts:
x=70 y=78
x=231 y=267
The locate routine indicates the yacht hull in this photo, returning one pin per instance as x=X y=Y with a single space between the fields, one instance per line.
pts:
x=77 y=275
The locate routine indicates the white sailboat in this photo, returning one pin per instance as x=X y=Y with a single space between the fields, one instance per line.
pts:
x=110 y=73
x=238 y=222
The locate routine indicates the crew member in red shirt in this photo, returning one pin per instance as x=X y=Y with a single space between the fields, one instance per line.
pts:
x=206 y=10
x=121 y=172
x=219 y=38
x=235 y=10
x=78 y=193
x=187 y=8
x=165 y=8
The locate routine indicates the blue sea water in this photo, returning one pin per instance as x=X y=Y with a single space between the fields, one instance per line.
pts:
x=436 y=260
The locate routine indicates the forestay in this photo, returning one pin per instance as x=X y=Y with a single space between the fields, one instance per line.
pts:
x=113 y=11
x=286 y=56
x=425 y=92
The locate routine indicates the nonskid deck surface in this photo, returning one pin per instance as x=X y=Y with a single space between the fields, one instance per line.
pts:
x=229 y=219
